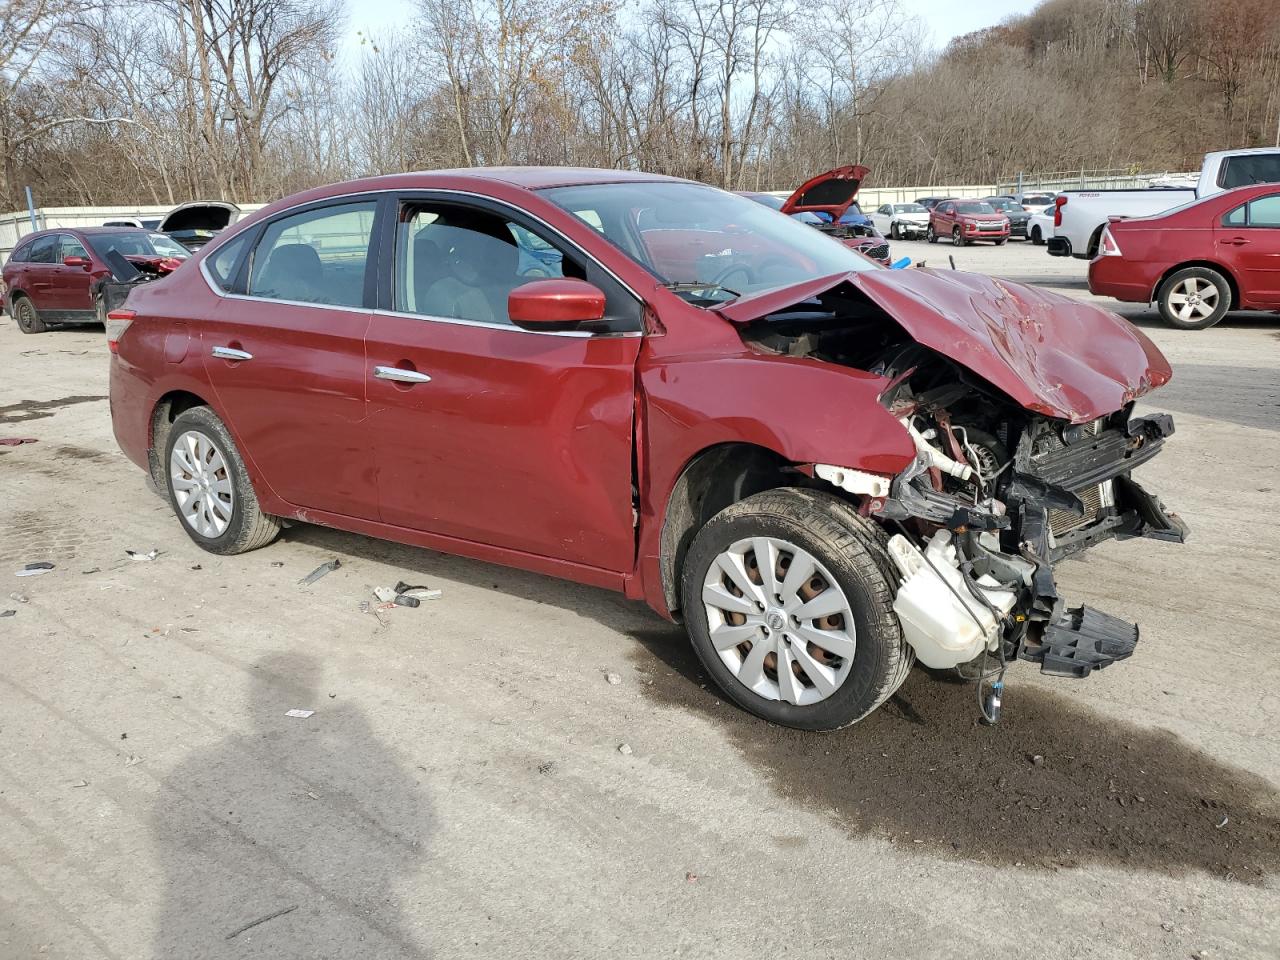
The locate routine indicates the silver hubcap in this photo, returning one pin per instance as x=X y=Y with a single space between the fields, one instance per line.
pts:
x=779 y=621
x=1193 y=299
x=201 y=485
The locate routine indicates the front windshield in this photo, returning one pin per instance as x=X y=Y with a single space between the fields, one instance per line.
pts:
x=1005 y=205
x=137 y=243
x=908 y=208
x=974 y=208
x=768 y=200
x=718 y=244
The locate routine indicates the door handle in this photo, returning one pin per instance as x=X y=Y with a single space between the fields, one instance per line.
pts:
x=1235 y=241
x=231 y=353
x=399 y=375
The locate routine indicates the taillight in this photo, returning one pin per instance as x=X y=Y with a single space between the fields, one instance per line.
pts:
x=118 y=321
x=1108 y=247
x=1058 y=204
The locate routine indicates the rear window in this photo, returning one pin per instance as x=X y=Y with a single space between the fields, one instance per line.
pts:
x=1245 y=170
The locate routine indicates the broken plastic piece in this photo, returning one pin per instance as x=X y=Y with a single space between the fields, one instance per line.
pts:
x=320 y=571
x=420 y=592
x=943 y=632
x=404 y=600
x=138 y=555
x=1082 y=640
x=299 y=714
x=385 y=594
x=8 y=613
x=16 y=441
x=34 y=569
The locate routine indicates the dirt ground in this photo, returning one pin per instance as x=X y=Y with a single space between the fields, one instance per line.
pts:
x=460 y=792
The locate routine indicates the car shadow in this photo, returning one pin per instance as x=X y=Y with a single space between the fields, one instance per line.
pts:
x=289 y=837
x=1053 y=785
x=922 y=770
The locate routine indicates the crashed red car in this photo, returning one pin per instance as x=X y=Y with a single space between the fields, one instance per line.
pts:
x=826 y=472
x=57 y=276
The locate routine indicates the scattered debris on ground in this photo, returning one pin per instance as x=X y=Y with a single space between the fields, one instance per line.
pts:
x=20 y=597
x=299 y=714
x=139 y=555
x=323 y=570
x=8 y=613
x=16 y=441
x=34 y=569
x=613 y=679
x=405 y=595
x=253 y=923
x=624 y=749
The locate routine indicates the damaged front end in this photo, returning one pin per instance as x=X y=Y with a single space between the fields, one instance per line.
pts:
x=1000 y=489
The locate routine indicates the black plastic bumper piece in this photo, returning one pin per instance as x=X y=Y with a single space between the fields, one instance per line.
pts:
x=1080 y=641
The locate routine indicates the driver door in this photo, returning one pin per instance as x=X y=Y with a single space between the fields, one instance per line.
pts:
x=485 y=432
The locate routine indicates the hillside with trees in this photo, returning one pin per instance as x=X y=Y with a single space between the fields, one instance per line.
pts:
x=158 y=101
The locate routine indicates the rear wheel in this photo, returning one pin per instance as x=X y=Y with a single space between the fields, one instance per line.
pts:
x=209 y=488
x=788 y=599
x=1194 y=298
x=27 y=316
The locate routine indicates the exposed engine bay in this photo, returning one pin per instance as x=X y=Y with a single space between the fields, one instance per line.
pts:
x=995 y=496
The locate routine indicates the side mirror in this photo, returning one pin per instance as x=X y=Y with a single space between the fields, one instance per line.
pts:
x=557 y=304
x=76 y=262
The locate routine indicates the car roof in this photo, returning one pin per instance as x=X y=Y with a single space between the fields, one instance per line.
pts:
x=530 y=178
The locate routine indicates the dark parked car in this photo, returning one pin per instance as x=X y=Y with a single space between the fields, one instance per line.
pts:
x=826 y=475
x=1018 y=217
x=1196 y=261
x=56 y=276
x=966 y=221
x=930 y=202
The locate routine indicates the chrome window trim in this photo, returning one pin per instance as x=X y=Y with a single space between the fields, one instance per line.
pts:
x=508 y=327
x=217 y=289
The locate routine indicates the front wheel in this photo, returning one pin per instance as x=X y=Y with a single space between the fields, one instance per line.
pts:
x=27 y=316
x=893 y=232
x=1036 y=238
x=1002 y=241
x=957 y=238
x=930 y=235
x=209 y=488
x=788 y=600
x=1194 y=298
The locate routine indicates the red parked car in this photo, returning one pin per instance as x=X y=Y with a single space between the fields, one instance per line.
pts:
x=965 y=221
x=1198 y=260
x=834 y=471
x=56 y=276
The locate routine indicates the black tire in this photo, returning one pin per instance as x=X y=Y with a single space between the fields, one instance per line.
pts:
x=1002 y=241
x=853 y=549
x=930 y=235
x=1169 y=288
x=27 y=317
x=249 y=528
x=957 y=238
x=1035 y=238
x=893 y=231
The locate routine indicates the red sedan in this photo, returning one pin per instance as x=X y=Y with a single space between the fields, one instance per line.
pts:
x=826 y=469
x=1196 y=261
x=56 y=276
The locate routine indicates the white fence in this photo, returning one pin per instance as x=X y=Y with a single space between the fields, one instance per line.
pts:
x=14 y=226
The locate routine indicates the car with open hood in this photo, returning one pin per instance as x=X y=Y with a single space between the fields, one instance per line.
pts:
x=195 y=223
x=825 y=469
x=58 y=276
x=828 y=202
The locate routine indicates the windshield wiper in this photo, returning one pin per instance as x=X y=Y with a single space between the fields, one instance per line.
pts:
x=690 y=286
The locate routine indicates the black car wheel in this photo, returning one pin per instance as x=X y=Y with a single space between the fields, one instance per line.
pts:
x=957 y=237
x=930 y=235
x=27 y=316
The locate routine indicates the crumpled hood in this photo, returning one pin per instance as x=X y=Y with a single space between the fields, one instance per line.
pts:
x=1053 y=355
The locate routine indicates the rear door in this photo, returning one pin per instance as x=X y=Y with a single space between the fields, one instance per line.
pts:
x=494 y=434
x=37 y=274
x=285 y=353
x=1249 y=243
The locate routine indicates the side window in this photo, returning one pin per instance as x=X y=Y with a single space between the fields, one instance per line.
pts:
x=318 y=256
x=945 y=208
x=1265 y=211
x=462 y=263
x=1235 y=218
x=1248 y=169
x=69 y=246
x=20 y=254
x=43 y=250
x=223 y=262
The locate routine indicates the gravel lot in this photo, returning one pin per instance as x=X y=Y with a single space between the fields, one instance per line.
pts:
x=460 y=792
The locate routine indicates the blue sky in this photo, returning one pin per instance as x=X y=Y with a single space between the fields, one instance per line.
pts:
x=945 y=18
